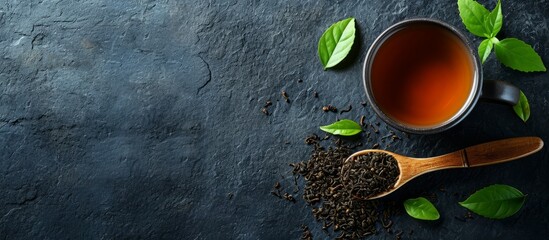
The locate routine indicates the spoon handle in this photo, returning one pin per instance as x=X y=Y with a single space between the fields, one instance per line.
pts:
x=501 y=151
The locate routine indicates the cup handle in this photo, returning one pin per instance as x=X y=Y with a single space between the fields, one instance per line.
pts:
x=500 y=92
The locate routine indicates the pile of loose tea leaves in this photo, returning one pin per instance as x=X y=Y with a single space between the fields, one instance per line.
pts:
x=332 y=203
x=369 y=174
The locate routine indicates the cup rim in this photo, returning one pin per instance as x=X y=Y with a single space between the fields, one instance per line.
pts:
x=458 y=117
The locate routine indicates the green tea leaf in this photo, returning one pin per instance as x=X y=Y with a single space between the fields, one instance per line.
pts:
x=344 y=127
x=421 y=208
x=494 y=20
x=522 y=109
x=496 y=201
x=518 y=55
x=484 y=49
x=474 y=15
x=336 y=42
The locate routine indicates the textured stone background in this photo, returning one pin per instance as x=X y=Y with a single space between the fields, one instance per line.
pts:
x=141 y=119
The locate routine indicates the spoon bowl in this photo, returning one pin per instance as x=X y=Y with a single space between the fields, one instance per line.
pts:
x=479 y=155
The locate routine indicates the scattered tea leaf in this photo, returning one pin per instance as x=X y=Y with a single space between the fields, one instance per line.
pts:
x=518 y=55
x=329 y=108
x=331 y=203
x=496 y=201
x=494 y=20
x=421 y=208
x=336 y=42
x=522 y=108
x=344 y=127
x=474 y=16
x=484 y=49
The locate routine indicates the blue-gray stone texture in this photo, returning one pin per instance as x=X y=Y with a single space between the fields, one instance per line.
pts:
x=142 y=119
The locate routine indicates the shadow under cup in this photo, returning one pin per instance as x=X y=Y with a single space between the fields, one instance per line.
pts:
x=421 y=76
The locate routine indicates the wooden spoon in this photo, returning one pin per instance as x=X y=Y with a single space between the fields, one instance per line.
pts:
x=479 y=155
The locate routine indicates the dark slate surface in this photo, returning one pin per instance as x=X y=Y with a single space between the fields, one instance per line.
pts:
x=141 y=119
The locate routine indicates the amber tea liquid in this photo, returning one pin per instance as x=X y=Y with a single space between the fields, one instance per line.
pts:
x=422 y=75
